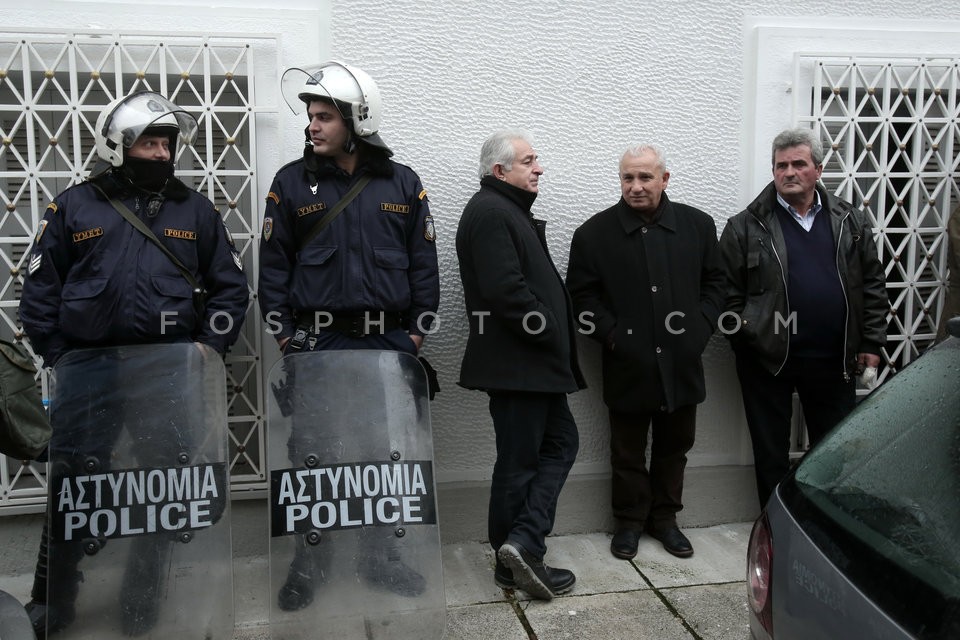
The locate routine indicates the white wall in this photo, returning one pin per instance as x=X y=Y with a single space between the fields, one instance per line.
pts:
x=586 y=77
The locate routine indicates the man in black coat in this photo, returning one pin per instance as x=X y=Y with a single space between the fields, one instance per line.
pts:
x=647 y=285
x=522 y=352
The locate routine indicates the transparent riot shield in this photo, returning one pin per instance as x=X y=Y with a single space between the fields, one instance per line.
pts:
x=354 y=546
x=139 y=522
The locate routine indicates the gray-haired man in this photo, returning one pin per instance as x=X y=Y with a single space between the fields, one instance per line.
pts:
x=521 y=351
x=808 y=294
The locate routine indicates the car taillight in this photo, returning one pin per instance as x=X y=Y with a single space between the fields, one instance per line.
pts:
x=759 y=573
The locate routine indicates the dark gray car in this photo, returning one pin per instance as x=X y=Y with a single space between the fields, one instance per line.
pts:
x=862 y=539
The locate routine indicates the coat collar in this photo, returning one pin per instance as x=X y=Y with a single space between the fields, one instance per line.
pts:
x=630 y=220
x=520 y=197
x=373 y=162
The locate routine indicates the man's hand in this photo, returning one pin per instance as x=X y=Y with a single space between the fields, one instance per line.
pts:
x=868 y=360
x=417 y=340
x=206 y=350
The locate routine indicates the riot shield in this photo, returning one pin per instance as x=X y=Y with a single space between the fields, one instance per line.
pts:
x=139 y=523
x=354 y=546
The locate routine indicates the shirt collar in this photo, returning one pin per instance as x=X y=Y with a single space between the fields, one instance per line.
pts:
x=814 y=210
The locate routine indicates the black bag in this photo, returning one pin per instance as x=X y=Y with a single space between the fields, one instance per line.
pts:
x=24 y=426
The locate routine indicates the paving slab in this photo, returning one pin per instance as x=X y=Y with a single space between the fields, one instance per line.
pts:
x=634 y=615
x=597 y=570
x=715 y=611
x=251 y=581
x=468 y=574
x=719 y=556
x=483 y=622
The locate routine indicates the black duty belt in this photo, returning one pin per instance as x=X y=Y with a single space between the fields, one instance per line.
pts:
x=353 y=325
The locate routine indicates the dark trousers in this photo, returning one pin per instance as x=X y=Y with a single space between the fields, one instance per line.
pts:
x=643 y=498
x=537 y=442
x=825 y=395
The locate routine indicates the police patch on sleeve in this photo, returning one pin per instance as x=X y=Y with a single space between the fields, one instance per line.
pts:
x=40 y=229
x=237 y=260
x=429 y=232
x=267 y=228
x=226 y=231
x=34 y=263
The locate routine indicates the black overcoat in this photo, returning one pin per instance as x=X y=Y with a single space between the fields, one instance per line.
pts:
x=651 y=295
x=522 y=331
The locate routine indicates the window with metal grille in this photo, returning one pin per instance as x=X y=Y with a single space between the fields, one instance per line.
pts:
x=52 y=88
x=891 y=133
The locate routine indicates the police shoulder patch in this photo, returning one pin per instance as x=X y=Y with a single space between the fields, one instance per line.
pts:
x=423 y=195
x=274 y=197
x=226 y=231
x=52 y=207
x=267 y=228
x=40 y=229
x=429 y=232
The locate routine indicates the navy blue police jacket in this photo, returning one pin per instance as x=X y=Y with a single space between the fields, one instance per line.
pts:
x=379 y=254
x=93 y=280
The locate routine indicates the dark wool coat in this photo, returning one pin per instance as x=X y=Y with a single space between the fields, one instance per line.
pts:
x=513 y=290
x=651 y=294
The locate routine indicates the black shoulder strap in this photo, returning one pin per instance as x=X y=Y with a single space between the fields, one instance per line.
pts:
x=138 y=224
x=334 y=212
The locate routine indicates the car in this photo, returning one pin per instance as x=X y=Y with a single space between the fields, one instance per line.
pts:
x=14 y=622
x=862 y=538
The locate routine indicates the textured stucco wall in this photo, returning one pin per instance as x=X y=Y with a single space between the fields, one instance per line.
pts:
x=585 y=77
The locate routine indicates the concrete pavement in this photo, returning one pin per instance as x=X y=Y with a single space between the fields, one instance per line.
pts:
x=656 y=596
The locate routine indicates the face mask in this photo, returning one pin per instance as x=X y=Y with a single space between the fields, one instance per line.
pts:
x=149 y=175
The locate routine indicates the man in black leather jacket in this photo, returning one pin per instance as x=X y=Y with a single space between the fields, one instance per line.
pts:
x=806 y=306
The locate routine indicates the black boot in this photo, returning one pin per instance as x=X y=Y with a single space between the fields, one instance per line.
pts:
x=307 y=567
x=140 y=592
x=60 y=611
x=384 y=568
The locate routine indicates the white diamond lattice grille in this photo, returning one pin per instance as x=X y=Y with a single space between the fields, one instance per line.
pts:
x=52 y=87
x=891 y=133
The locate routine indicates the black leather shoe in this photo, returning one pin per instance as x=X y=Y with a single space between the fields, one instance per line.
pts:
x=560 y=580
x=673 y=541
x=297 y=592
x=384 y=569
x=531 y=575
x=624 y=543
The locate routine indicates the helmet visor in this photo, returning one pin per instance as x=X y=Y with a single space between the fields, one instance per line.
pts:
x=299 y=85
x=142 y=110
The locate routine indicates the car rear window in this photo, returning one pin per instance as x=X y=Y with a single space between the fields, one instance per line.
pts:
x=883 y=493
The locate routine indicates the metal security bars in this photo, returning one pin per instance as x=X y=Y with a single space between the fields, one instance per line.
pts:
x=52 y=88
x=891 y=133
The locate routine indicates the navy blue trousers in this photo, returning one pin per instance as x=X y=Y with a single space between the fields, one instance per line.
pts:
x=537 y=442
x=826 y=396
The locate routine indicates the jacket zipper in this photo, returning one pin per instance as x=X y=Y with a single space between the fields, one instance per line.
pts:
x=783 y=279
x=846 y=302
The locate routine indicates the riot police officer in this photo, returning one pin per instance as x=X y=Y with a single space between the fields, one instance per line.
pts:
x=365 y=277
x=94 y=280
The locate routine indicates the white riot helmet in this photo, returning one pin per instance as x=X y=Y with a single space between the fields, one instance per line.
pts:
x=351 y=90
x=126 y=118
